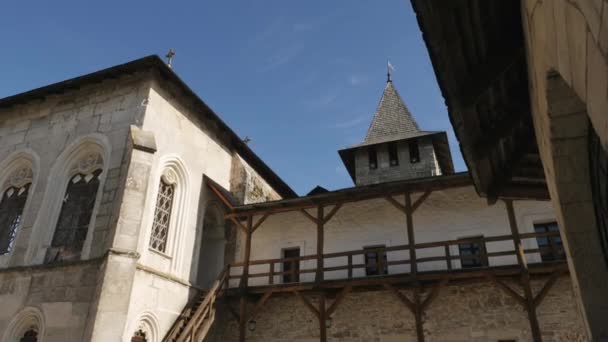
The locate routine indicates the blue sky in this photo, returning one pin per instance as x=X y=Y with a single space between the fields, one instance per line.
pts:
x=301 y=78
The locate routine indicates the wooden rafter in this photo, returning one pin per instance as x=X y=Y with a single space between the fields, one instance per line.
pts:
x=434 y=293
x=547 y=286
x=238 y=224
x=519 y=298
x=395 y=203
x=403 y=298
x=259 y=305
x=259 y=222
x=338 y=300
x=307 y=303
x=420 y=200
x=331 y=213
x=309 y=216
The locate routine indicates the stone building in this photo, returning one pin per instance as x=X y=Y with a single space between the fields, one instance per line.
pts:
x=526 y=86
x=131 y=212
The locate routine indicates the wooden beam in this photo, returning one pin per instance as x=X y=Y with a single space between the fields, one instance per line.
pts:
x=320 y=242
x=410 y=234
x=247 y=256
x=259 y=304
x=525 y=274
x=220 y=195
x=434 y=293
x=420 y=200
x=259 y=222
x=322 y=312
x=519 y=298
x=403 y=298
x=548 y=285
x=395 y=203
x=308 y=216
x=233 y=312
x=338 y=300
x=307 y=303
x=418 y=315
x=332 y=212
x=238 y=224
x=242 y=319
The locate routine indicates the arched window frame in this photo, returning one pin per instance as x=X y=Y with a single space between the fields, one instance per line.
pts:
x=72 y=160
x=147 y=323
x=28 y=318
x=172 y=169
x=18 y=169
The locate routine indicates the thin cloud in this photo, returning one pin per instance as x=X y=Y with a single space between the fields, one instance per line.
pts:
x=282 y=56
x=356 y=80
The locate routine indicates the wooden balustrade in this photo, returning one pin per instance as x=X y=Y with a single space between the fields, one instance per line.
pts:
x=349 y=266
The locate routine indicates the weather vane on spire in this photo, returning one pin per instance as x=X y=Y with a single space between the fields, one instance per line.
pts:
x=389 y=68
x=169 y=56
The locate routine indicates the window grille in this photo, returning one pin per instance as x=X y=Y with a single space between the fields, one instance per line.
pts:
x=598 y=167
x=477 y=248
x=551 y=247
x=11 y=214
x=162 y=216
x=75 y=215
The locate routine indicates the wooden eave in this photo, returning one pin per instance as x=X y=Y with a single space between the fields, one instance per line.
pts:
x=477 y=50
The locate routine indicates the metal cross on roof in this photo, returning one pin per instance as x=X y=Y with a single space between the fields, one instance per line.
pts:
x=169 y=56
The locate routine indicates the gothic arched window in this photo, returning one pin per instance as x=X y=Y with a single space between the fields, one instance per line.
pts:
x=12 y=202
x=139 y=336
x=162 y=213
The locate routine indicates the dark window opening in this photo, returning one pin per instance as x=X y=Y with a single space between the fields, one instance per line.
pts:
x=139 y=336
x=373 y=158
x=551 y=247
x=291 y=267
x=393 y=156
x=29 y=336
x=162 y=216
x=12 y=203
x=473 y=252
x=74 y=217
x=414 y=151
x=598 y=168
x=375 y=260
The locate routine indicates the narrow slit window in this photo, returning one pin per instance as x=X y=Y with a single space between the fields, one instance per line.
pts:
x=12 y=203
x=373 y=158
x=473 y=252
x=551 y=247
x=393 y=156
x=414 y=151
x=162 y=216
x=375 y=260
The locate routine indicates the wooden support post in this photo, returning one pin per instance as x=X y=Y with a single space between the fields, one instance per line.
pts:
x=271 y=274
x=322 y=312
x=320 y=236
x=410 y=233
x=242 y=319
x=247 y=256
x=350 y=266
x=418 y=310
x=448 y=257
x=525 y=274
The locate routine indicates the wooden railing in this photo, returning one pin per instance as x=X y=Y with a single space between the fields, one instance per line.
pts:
x=196 y=320
x=297 y=270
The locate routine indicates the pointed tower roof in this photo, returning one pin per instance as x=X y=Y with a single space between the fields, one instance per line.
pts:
x=392 y=119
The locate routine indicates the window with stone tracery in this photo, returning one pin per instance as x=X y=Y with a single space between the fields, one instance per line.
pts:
x=76 y=209
x=162 y=213
x=12 y=204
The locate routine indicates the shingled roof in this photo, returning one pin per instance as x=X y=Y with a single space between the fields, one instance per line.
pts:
x=392 y=119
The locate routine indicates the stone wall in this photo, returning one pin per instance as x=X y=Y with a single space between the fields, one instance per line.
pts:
x=475 y=312
x=63 y=293
x=567 y=49
x=426 y=167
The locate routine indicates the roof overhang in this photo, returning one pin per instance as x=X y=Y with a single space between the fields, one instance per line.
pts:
x=154 y=63
x=477 y=49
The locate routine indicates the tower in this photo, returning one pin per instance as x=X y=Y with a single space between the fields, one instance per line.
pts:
x=395 y=148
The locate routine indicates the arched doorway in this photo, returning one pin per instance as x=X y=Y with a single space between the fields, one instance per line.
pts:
x=213 y=244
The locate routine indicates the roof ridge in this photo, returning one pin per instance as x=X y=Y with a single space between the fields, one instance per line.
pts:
x=392 y=117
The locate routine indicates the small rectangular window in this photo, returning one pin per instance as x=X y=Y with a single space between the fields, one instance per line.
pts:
x=551 y=247
x=291 y=267
x=393 y=156
x=373 y=158
x=375 y=260
x=414 y=151
x=473 y=252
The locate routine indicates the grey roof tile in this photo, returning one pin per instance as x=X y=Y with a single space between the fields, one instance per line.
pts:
x=392 y=118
